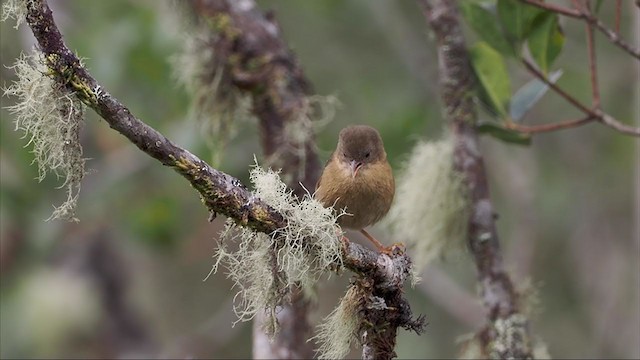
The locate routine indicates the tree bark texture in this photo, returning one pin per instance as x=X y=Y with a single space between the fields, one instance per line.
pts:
x=457 y=92
x=254 y=58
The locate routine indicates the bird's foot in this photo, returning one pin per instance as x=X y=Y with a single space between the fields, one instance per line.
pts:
x=395 y=249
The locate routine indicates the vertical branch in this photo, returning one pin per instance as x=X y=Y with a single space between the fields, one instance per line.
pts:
x=258 y=62
x=593 y=67
x=456 y=81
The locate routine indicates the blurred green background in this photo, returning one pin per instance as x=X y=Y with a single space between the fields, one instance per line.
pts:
x=127 y=279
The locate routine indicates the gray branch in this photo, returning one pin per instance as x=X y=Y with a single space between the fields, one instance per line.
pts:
x=457 y=91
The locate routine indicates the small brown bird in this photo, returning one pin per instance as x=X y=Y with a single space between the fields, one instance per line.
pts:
x=358 y=179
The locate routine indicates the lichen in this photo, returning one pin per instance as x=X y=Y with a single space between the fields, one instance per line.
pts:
x=511 y=337
x=430 y=211
x=339 y=330
x=14 y=9
x=314 y=113
x=471 y=347
x=216 y=105
x=51 y=117
x=263 y=267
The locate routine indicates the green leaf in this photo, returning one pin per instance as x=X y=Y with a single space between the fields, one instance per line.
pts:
x=486 y=25
x=493 y=76
x=516 y=18
x=546 y=40
x=504 y=134
x=529 y=94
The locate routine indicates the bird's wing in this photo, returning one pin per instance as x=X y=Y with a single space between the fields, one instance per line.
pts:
x=325 y=166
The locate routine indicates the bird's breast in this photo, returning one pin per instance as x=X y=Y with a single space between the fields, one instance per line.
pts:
x=366 y=197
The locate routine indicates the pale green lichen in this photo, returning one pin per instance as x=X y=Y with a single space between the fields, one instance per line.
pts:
x=314 y=113
x=430 y=212
x=263 y=267
x=51 y=117
x=216 y=105
x=14 y=9
x=528 y=298
x=471 y=347
x=511 y=336
x=339 y=330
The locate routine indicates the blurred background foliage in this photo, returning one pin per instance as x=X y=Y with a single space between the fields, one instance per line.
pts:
x=127 y=279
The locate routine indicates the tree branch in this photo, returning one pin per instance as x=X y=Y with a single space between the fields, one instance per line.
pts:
x=613 y=36
x=593 y=66
x=220 y=192
x=456 y=82
x=595 y=114
x=549 y=127
x=252 y=54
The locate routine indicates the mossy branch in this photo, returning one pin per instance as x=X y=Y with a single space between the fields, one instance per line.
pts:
x=257 y=62
x=457 y=87
x=220 y=192
x=252 y=61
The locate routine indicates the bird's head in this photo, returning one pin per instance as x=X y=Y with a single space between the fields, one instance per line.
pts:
x=360 y=146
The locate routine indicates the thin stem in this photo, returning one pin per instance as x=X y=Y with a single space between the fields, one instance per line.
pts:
x=597 y=113
x=532 y=69
x=593 y=68
x=576 y=14
x=534 y=129
x=554 y=8
x=613 y=123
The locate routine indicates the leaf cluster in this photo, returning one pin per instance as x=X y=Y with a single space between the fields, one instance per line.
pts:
x=506 y=30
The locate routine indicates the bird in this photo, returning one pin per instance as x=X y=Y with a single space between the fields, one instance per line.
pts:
x=358 y=179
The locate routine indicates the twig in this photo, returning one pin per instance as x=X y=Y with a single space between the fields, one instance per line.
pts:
x=456 y=81
x=554 y=8
x=596 y=114
x=593 y=67
x=576 y=14
x=532 y=69
x=533 y=129
x=612 y=122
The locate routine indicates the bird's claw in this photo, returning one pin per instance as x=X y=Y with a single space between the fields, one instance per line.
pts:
x=395 y=249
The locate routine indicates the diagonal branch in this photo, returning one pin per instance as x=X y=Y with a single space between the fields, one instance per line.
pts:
x=220 y=192
x=533 y=129
x=594 y=114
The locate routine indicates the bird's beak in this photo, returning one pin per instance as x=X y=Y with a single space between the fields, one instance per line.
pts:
x=354 y=166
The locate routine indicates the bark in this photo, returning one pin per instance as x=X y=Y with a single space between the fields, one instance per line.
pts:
x=457 y=88
x=249 y=49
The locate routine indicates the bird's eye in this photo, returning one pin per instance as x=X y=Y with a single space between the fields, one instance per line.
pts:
x=367 y=155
